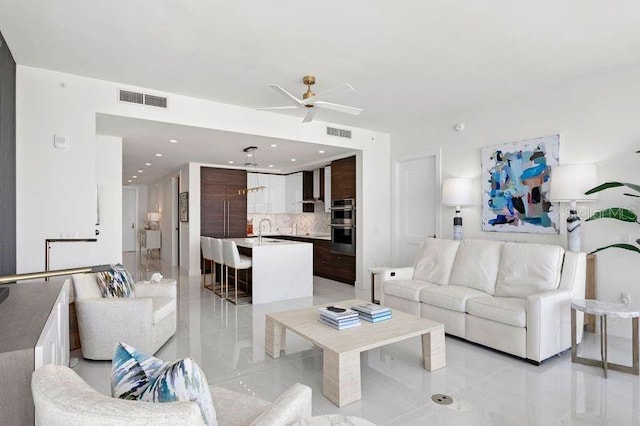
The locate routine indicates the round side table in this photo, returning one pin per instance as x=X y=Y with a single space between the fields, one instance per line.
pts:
x=604 y=310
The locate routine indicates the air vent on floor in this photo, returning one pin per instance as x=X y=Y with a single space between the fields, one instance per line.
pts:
x=341 y=133
x=133 y=97
x=143 y=99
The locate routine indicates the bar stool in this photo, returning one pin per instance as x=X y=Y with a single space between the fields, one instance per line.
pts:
x=218 y=258
x=233 y=259
x=205 y=245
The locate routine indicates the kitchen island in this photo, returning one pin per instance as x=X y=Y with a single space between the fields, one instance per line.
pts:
x=281 y=269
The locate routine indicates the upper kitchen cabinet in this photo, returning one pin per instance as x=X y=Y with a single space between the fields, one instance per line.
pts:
x=223 y=208
x=293 y=193
x=270 y=199
x=343 y=178
x=327 y=189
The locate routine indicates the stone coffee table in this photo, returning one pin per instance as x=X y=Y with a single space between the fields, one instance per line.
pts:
x=342 y=348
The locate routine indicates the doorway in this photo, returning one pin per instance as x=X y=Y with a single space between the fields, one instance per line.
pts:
x=416 y=204
x=129 y=218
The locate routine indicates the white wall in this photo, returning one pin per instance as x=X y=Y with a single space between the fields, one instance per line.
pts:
x=160 y=200
x=60 y=184
x=109 y=181
x=597 y=120
x=143 y=204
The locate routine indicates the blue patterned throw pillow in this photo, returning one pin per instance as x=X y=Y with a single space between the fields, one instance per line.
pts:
x=143 y=377
x=116 y=282
x=132 y=372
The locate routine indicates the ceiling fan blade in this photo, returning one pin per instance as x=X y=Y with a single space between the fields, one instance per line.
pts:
x=287 y=94
x=336 y=107
x=278 y=108
x=346 y=88
x=309 y=116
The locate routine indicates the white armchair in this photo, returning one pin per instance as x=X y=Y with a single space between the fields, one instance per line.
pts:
x=62 y=398
x=145 y=321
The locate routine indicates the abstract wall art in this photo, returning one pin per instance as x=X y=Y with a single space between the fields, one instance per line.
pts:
x=516 y=179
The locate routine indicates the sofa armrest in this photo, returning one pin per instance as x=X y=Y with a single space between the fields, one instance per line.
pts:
x=156 y=290
x=391 y=274
x=103 y=323
x=549 y=324
x=292 y=405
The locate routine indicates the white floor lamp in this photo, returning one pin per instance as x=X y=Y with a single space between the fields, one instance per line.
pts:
x=568 y=185
x=457 y=192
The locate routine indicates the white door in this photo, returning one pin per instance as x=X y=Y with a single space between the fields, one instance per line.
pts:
x=129 y=218
x=416 y=212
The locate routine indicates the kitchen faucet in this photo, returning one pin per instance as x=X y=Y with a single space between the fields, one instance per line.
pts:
x=260 y=229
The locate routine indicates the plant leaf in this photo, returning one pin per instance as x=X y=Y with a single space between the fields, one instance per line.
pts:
x=620 y=246
x=608 y=185
x=618 y=213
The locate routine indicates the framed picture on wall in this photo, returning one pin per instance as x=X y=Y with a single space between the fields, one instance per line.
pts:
x=516 y=178
x=183 y=206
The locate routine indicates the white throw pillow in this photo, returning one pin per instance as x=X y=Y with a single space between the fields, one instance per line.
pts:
x=435 y=260
x=527 y=269
x=476 y=265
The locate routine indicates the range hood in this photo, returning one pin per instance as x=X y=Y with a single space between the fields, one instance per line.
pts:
x=316 y=189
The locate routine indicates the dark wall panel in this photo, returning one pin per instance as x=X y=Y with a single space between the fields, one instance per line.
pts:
x=7 y=160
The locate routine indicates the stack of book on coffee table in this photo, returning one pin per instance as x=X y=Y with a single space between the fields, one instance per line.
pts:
x=339 y=317
x=372 y=312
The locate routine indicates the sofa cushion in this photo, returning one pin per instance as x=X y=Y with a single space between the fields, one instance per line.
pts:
x=406 y=289
x=85 y=286
x=162 y=308
x=476 y=265
x=116 y=282
x=434 y=260
x=132 y=372
x=527 y=269
x=507 y=310
x=451 y=297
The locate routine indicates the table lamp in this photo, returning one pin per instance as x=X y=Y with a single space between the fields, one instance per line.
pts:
x=457 y=192
x=568 y=185
x=153 y=218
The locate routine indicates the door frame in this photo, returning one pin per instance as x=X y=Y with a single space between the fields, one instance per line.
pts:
x=395 y=212
x=136 y=246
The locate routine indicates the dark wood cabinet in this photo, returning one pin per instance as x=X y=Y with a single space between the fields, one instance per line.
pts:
x=333 y=266
x=307 y=191
x=343 y=178
x=223 y=209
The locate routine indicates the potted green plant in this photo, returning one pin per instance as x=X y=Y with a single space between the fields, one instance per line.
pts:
x=617 y=213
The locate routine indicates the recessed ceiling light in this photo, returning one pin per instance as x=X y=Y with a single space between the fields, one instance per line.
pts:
x=158 y=155
x=129 y=181
x=273 y=145
x=147 y=164
x=321 y=152
x=173 y=140
x=134 y=176
x=270 y=165
x=141 y=171
x=249 y=155
x=293 y=159
x=231 y=162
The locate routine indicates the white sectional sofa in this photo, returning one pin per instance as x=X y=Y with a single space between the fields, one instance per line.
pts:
x=513 y=297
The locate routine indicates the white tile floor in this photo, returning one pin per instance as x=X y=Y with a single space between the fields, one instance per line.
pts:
x=488 y=388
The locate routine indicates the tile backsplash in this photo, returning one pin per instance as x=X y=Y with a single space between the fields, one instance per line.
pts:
x=306 y=223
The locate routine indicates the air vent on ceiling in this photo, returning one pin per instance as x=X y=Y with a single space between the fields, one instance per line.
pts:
x=341 y=133
x=133 y=97
x=143 y=99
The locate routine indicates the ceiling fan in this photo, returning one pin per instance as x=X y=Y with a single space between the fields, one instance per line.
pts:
x=311 y=102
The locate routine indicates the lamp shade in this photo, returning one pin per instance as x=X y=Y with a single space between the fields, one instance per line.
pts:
x=570 y=182
x=457 y=192
x=153 y=217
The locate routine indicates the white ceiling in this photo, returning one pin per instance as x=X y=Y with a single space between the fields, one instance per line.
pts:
x=408 y=60
x=143 y=139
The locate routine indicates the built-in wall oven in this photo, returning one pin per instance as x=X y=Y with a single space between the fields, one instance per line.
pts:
x=343 y=226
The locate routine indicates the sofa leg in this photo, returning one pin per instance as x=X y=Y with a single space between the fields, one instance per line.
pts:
x=536 y=363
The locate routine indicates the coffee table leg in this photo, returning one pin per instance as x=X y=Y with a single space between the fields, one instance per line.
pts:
x=274 y=338
x=433 y=350
x=341 y=377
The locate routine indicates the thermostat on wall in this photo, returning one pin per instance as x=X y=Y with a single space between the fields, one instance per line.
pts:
x=61 y=142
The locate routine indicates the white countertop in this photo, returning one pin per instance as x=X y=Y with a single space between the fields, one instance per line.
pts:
x=314 y=236
x=266 y=242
